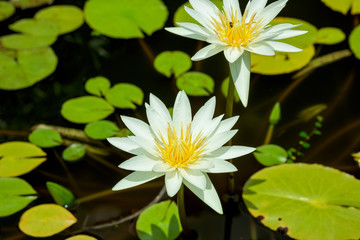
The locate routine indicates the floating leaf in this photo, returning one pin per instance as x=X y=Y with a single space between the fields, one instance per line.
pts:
x=343 y=6
x=45 y=138
x=18 y=158
x=30 y=3
x=125 y=19
x=182 y=16
x=275 y=114
x=354 y=42
x=225 y=88
x=6 y=10
x=101 y=129
x=60 y=194
x=124 y=95
x=309 y=201
x=175 y=62
x=20 y=41
x=37 y=27
x=45 y=220
x=97 y=86
x=330 y=36
x=74 y=152
x=14 y=195
x=282 y=62
x=86 y=109
x=159 y=222
x=67 y=17
x=29 y=67
x=196 y=84
x=270 y=154
x=81 y=237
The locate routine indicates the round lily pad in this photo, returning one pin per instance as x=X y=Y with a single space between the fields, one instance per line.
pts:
x=354 y=42
x=67 y=17
x=125 y=19
x=18 y=158
x=81 y=237
x=125 y=95
x=307 y=201
x=330 y=36
x=45 y=138
x=343 y=6
x=86 y=109
x=45 y=220
x=160 y=221
x=61 y=195
x=196 y=84
x=29 y=67
x=6 y=10
x=20 y=41
x=74 y=152
x=176 y=62
x=97 y=86
x=225 y=87
x=281 y=63
x=30 y=3
x=270 y=154
x=37 y=27
x=15 y=194
x=101 y=129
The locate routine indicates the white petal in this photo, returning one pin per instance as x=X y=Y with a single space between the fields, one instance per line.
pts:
x=211 y=128
x=162 y=167
x=230 y=152
x=181 y=112
x=261 y=48
x=201 y=165
x=137 y=127
x=240 y=71
x=283 y=47
x=233 y=53
x=271 y=11
x=160 y=107
x=221 y=166
x=208 y=196
x=208 y=51
x=159 y=125
x=135 y=179
x=186 y=33
x=204 y=115
x=194 y=28
x=231 y=7
x=289 y=34
x=199 y=17
x=139 y=163
x=195 y=177
x=173 y=181
x=227 y=124
x=205 y=7
x=147 y=144
x=255 y=6
x=218 y=140
x=124 y=143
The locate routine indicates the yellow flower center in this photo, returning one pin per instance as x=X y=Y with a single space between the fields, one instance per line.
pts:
x=234 y=32
x=180 y=151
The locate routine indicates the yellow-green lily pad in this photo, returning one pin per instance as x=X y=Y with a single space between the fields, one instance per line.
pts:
x=172 y=62
x=125 y=95
x=343 y=6
x=74 y=152
x=81 y=237
x=45 y=138
x=6 y=10
x=30 y=3
x=330 y=36
x=20 y=41
x=196 y=84
x=18 y=158
x=101 y=129
x=307 y=201
x=97 y=86
x=37 y=27
x=354 y=42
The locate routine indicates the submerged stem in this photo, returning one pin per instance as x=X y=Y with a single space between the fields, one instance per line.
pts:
x=182 y=213
x=269 y=134
x=146 y=50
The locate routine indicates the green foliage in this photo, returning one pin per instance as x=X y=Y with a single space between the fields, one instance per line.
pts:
x=225 y=87
x=97 y=86
x=307 y=200
x=45 y=220
x=81 y=237
x=45 y=138
x=269 y=155
x=15 y=194
x=60 y=194
x=159 y=222
x=29 y=3
x=176 y=62
x=275 y=114
x=125 y=95
x=36 y=27
x=18 y=158
x=125 y=19
x=24 y=41
x=182 y=16
x=330 y=36
x=74 y=152
x=101 y=129
x=86 y=109
x=196 y=84
x=6 y=10
x=354 y=42
x=343 y=6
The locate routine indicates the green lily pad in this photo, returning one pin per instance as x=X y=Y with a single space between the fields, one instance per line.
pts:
x=67 y=17
x=125 y=95
x=74 y=152
x=97 y=86
x=176 y=62
x=307 y=201
x=282 y=62
x=6 y=10
x=343 y=6
x=45 y=138
x=225 y=87
x=60 y=194
x=29 y=67
x=196 y=84
x=30 y=3
x=20 y=41
x=18 y=158
x=81 y=237
x=15 y=194
x=37 y=27
x=270 y=154
x=45 y=220
x=160 y=221
x=101 y=129
x=330 y=36
x=86 y=109
x=125 y=19
x=354 y=42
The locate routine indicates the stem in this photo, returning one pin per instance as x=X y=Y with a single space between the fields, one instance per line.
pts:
x=253 y=232
x=14 y=133
x=181 y=206
x=146 y=50
x=95 y=196
x=269 y=134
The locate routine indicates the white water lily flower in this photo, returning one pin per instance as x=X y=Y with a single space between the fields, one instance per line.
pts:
x=182 y=148
x=237 y=35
